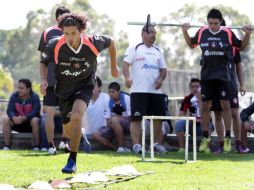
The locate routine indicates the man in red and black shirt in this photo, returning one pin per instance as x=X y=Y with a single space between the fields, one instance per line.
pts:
x=75 y=55
x=50 y=100
x=190 y=104
x=216 y=44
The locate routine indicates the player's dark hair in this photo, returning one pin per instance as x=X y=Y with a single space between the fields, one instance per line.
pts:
x=73 y=19
x=115 y=86
x=194 y=80
x=214 y=13
x=27 y=83
x=98 y=81
x=223 y=22
x=61 y=10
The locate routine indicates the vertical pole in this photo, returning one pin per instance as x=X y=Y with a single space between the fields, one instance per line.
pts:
x=151 y=139
x=194 y=140
x=186 y=140
x=143 y=139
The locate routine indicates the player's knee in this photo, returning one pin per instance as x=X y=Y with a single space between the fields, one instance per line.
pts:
x=75 y=117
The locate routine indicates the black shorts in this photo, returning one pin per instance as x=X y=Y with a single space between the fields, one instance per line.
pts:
x=147 y=104
x=50 y=99
x=24 y=127
x=234 y=102
x=65 y=105
x=215 y=89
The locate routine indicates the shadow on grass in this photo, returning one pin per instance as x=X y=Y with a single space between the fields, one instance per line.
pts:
x=173 y=156
x=38 y=154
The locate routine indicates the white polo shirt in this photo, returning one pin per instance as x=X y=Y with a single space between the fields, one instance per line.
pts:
x=145 y=67
x=94 y=118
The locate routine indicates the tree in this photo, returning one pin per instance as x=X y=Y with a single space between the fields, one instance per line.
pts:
x=6 y=84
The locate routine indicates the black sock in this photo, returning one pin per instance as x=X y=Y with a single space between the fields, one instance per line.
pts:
x=237 y=143
x=65 y=139
x=8 y=146
x=51 y=145
x=73 y=156
x=221 y=144
x=205 y=134
x=227 y=134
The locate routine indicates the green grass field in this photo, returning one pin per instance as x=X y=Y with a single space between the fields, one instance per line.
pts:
x=226 y=171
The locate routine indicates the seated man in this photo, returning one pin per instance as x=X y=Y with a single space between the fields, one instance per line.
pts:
x=118 y=119
x=23 y=113
x=247 y=126
x=190 y=103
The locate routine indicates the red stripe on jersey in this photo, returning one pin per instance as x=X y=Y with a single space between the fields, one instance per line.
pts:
x=47 y=30
x=200 y=34
x=229 y=32
x=59 y=44
x=86 y=41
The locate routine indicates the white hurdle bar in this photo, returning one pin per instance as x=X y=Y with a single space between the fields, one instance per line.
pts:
x=151 y=118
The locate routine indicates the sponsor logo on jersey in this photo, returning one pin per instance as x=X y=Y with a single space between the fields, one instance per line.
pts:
x=213 y=39
x=213 y=53
x=44 y=55
x=204 y=44
x=149 y=66
x=77 y=59
x=140 y=59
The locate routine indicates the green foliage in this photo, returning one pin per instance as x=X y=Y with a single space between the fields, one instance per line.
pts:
x=6 y=84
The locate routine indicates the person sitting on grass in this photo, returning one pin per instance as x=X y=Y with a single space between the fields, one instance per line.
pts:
x=23 y=114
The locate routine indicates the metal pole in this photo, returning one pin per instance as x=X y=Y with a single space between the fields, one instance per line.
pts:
x=143 y=139
x=151 y=139
x=194 y=139
x=187 y=140
x=178 y=25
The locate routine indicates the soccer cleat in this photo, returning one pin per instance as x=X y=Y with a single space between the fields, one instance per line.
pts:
x=242 y=150
x=52 y=150
x=86 y=144
x=6 y=148
x=122 y=150
x=159 y=149
x=207 y=151
x=204 y=144
x=63 y=145
x=44 y=149
x=219 y=151
x=227 y=144
x=137 y=149
x=70 y=167
x=36 y=148
x=181 y=150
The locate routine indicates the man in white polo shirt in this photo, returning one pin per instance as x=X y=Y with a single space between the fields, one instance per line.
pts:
x=148 y=70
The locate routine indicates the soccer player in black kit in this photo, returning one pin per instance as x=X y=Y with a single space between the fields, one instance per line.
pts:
x=75 y=55
x=50 y=100
x=216 y=44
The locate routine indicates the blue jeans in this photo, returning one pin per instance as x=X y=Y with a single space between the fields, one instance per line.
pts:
x=180 y=127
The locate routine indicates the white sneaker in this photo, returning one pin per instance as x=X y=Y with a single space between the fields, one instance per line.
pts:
x=52 y=151
x=63 y=146
x=123 y=150
x=159 y=149
x=36 y=148
x=44 y=149
x=6 y=148
x=137 y=149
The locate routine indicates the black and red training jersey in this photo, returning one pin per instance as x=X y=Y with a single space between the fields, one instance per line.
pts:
x=75 y=69
x=217 y=52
